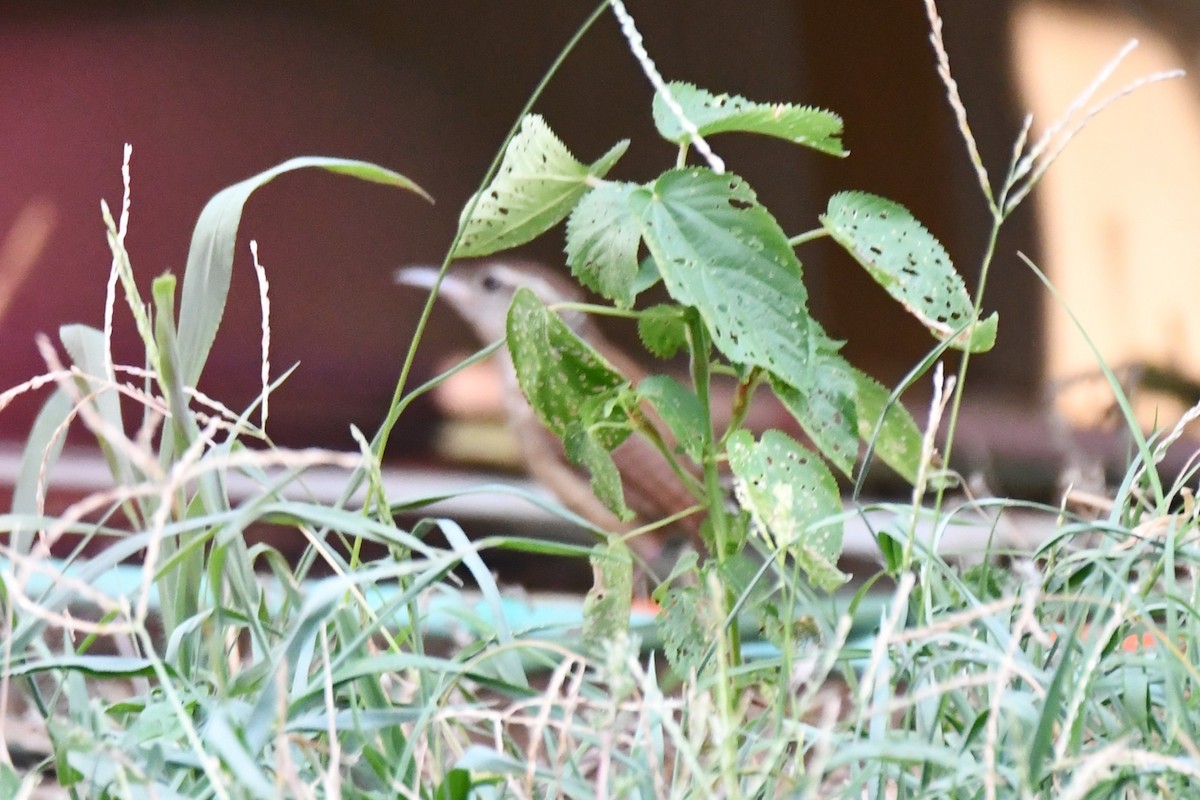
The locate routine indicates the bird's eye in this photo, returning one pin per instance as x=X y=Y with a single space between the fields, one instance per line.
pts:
x=491 y=283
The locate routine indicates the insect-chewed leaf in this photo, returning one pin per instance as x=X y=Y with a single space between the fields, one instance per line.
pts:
x=826 y=409
x=607 y=606
x=721 y=252
x=793 y=500
x=723 y=113
x=602 y=243
x=842 y=407
x=680 y=408
x=899 y=441
x=906 y=260
x=538 y=184
x=565 y=380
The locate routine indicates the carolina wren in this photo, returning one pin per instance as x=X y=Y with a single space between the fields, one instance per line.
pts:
x=481 y=293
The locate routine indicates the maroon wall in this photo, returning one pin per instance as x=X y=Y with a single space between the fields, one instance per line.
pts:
x=210 y=93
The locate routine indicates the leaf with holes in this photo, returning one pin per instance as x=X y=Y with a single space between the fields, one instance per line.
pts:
x=906 y=260
x=538 y=184
x=826 y=410
x=721 y=252
x=602 y=243
x=793 y=500
x=723 y=113
x=843 y=407
x=899 y=441
x=607 y=606
x=565 y=380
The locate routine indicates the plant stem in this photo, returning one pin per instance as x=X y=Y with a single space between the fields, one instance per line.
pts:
x=699 y=346
x=956 y=404
x=399 y=400
x=807 y=236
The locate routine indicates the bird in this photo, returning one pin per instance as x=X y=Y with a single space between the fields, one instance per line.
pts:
x=481 y=292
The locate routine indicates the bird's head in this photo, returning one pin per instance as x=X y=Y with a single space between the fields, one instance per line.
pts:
x=481 y=291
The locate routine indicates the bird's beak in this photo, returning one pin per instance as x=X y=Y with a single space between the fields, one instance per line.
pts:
x=423 y=277
x=452 y=288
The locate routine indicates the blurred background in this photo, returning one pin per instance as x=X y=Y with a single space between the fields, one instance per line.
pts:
x=209 y=93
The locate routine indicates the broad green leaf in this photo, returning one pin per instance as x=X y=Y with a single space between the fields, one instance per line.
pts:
x=608 y=604
x=827 y=410
x=723 y=113
x=721 y=252
x=899 y=442
x=584 y=448
x=210 y=257
x=791 y=496
x=647 y=276
x=565 y=380
x=842 y=407
x=538 y=184
x=663 y=329
x=680 y=408
x=602 y=243
x=906 y=260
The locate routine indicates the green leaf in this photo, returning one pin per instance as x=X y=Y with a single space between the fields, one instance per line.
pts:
x=455 y=786
x=16 y=784
x=827 y=410
x=538 y=184
x=565 y=380
x=86 y=347
x=210 y=257
x=687 y=621
x=608 y=604
x=583 y=447
x=648 y=275
x=681 y=409
x=721 y=252
x=906 y=260
x=43 y=446
x=900 y=440
x=1041 y=749
x=710 y=113
x=602 y=243
x=663 y=329
x=793 y=500
x=842 y=406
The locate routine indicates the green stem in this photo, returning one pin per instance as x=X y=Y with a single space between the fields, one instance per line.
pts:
x=960 y=386
x=681 y=158
x=652 y=434
x=398 y=404
x=700 y=346
x=741 y=402
x=808 y=236
x=400 y=400
x=596 y=310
